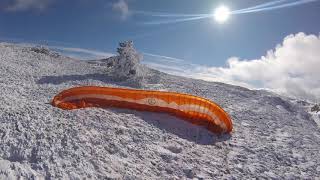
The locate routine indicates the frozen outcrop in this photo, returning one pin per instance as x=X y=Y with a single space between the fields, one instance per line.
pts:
x=127 y=64
x=44 y=50
x=315 y=108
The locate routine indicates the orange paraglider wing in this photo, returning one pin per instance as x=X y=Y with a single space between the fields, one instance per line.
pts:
x=197 y=110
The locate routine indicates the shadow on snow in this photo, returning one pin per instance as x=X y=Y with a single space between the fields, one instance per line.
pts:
x=56 y=80
x=179 y=127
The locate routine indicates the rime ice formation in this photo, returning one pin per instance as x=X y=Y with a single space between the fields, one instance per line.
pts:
x=127 y=64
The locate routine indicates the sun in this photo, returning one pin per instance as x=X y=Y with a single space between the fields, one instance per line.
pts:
x=221 y=14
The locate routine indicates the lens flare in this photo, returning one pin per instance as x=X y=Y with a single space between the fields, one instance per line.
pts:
x=221 y=14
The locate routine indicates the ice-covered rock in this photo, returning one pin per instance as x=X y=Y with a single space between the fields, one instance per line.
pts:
x=44 y=50
x=315 y=108
x=127 y=64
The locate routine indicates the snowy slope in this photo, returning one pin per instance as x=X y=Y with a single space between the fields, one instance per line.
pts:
x=272 y=138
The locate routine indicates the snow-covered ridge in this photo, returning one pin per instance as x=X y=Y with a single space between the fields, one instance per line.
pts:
x=274 y=137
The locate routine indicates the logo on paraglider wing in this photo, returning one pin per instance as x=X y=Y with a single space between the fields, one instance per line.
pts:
x=152 y=101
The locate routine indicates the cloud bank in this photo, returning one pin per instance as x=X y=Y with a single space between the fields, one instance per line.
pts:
x=25 y=5
x=292 y=68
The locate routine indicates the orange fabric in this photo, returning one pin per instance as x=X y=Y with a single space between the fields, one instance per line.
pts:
x=197 y=117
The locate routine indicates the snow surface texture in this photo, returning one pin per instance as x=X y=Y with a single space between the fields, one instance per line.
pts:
x=273 y=137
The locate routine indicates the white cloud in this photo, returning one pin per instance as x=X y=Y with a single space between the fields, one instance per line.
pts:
x=292 y=68
x=122 y=7
x=24 y=5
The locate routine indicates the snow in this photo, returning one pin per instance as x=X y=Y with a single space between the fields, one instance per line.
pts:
x=273 y=136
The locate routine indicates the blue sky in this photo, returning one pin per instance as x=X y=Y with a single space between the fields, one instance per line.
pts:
x=95 y=24
x=100 y=24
